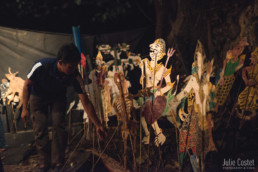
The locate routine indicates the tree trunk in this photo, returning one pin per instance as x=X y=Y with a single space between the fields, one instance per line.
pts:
x=217 y=24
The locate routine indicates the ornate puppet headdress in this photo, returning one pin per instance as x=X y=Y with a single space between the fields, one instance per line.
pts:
x=199 y=48
x=99 y=56
x=162 y=44
x=198 y=65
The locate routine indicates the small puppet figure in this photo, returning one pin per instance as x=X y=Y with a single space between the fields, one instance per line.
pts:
x=100 y=99
x=153 y=74
x=3 y=89
x=233 y=62
x=248 y=98
x=101 y=74
x=14 y=92
x=123 y=108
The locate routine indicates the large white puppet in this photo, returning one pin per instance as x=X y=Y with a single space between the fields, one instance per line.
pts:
x=197 y=90
x=151 y=79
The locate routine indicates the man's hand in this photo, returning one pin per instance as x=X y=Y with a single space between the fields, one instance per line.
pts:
x=25 y=115
x=102 y=132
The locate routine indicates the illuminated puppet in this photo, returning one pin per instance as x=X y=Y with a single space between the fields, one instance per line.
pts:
x=14 y=92
x=248 y=98
x=3 y=89
x=153 y=74
x=233 y=62
x=101 y=70
x=100 y=88
x=123 y=108
x=116 y=65
x=197 y=92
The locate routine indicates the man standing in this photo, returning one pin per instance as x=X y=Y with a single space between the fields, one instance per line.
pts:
x=44 y=88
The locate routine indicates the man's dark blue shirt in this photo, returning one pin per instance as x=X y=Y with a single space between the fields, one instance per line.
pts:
x=49 y=82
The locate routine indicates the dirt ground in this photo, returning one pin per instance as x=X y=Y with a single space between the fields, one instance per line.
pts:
x=231 y=142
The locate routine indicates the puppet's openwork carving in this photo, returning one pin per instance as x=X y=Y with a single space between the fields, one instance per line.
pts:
x=153 y=74
x=248 y=98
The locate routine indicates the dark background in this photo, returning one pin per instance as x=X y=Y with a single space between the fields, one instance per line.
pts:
x=218 y=24
x=94 y=17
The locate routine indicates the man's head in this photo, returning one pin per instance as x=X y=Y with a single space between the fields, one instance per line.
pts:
x=68 y=58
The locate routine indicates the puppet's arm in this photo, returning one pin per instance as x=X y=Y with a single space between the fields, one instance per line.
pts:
x=221 y=80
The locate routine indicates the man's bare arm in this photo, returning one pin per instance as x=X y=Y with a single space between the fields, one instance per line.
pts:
x=89 y=109
x=25 y=100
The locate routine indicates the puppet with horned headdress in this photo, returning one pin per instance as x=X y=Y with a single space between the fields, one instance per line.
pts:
x=195 y=128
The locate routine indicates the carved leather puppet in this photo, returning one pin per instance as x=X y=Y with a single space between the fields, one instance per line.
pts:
x=248 y=98
x=151 y=78
x=233 y=62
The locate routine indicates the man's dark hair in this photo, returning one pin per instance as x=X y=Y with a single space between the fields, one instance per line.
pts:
x=69 y=53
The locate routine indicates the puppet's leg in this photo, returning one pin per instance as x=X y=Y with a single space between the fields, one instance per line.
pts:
x=146 y=138
x=124 y=136
x=160 y=137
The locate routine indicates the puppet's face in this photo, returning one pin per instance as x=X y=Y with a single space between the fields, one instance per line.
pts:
x=98 y=62
x=243 y=42
x=67 y=68
x=237 y=50
x=155 y=51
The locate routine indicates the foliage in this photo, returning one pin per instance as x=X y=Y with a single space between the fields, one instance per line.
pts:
x=60 y=15
x=99 y=11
